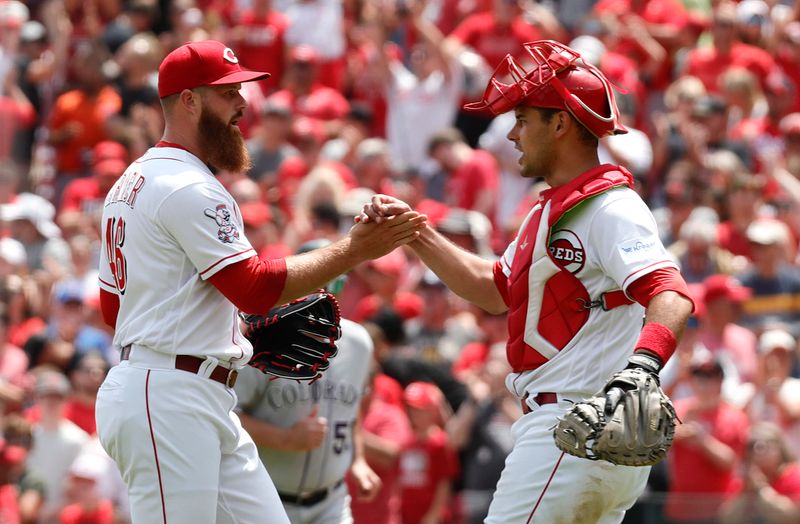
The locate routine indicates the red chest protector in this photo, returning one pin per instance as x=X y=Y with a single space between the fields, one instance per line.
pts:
x=565 y=302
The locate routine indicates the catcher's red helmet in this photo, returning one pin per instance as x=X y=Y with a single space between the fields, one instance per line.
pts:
x=556 y=79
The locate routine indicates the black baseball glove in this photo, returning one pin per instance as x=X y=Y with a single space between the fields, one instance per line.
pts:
x=295 y=340
x=630 y=422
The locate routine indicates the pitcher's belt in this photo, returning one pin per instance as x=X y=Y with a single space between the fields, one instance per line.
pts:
x=543 y=398
x=193 y=364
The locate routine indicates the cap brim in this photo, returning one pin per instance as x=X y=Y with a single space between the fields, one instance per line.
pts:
x=240 y=77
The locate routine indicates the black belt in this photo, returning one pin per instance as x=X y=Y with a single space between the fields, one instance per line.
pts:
x=312 y=498
x=192 y=364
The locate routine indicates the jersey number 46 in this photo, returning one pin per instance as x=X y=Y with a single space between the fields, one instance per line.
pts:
x=115 y=239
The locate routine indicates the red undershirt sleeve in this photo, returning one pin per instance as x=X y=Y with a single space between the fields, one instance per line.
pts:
x=109 y=306
x=252 y=285
x=643 y=289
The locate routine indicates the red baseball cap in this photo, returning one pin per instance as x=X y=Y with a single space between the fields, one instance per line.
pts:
x=255 y=214
x=724 y=287
x=205 y=63
x=109 y=158
x=422 y=395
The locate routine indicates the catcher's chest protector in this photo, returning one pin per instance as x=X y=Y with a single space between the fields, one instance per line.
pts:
x=559 y=298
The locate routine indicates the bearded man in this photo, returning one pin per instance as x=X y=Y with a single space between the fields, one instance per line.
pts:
x=175 y=268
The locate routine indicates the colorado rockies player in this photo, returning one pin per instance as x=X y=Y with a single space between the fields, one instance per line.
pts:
x=175 y=266
x=309 y=436
x=585 y=266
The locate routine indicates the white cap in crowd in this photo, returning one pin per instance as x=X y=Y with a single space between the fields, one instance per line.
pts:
x=773 y=339
x=35 y=209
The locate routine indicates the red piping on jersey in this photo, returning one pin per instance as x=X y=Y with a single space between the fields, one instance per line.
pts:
x=164 y=143
x=155 y=450
x=109 y=284
x=215 y=264
x=541 y=495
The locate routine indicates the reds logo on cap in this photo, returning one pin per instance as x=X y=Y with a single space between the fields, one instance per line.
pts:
x=567 y=250
x=228 y=55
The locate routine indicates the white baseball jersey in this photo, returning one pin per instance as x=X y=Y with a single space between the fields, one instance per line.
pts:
x=168 y=225
x=284 y=402
x=608 y=242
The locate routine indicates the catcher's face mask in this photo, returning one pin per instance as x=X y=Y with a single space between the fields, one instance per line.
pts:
x=553 y=76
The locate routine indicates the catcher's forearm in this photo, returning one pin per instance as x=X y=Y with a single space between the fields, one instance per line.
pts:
x=466 y=274
x=669 y=309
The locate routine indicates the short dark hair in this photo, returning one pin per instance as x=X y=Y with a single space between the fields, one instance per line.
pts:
x=584 y=134
x=447 y=136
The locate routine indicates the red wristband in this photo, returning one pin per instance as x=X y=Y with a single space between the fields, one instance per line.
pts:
x=657 y=339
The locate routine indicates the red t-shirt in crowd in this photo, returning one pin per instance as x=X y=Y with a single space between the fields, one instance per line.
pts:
x=9 y=506
x=262 y=46
x=708 y=64
x=478 y=174
x=493 y=41
x=787 y=483
x=389 y=421
x=75 y=514
x=424 y=464
x=791 y=68
x=735 y=241
x=693 y=477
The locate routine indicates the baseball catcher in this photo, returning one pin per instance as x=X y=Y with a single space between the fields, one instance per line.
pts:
x=295 y=340
x=630 y=422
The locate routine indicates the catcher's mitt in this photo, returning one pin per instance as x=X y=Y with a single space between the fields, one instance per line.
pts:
x=630 y=422
x=295 y=340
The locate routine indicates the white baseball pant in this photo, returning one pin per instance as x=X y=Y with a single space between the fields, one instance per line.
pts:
x=180 y=448
x=542 y=485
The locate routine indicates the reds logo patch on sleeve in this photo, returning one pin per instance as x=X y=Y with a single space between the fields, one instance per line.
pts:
x=567 y=250
x=227 y=231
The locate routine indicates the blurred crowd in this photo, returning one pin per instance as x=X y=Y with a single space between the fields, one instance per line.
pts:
x=365 y=97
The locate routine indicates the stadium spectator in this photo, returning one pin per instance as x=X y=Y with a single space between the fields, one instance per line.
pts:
x=777 y=395
x=707 y=446
x=727 y=50
x=774 y=281
x=769 y=487
x=719 y=331
x=428 y=464
x=56 y=440
x=258 y=37
x=79 y=117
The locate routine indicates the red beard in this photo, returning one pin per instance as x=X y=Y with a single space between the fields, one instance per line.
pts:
x=222 y=144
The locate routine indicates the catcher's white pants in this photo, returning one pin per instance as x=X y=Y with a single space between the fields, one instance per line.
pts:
x=335 y=509
x=541 y=484
x=181 y=449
